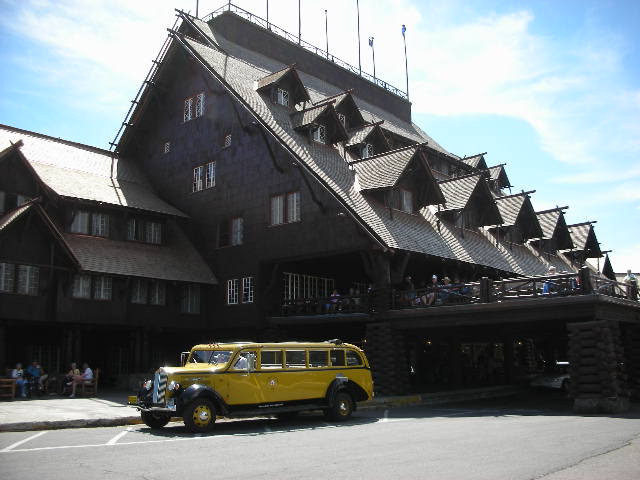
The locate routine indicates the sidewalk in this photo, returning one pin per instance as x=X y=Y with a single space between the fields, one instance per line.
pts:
x=110 y=408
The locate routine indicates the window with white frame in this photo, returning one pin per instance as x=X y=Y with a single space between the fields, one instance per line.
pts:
x=134 y=229
x=188 y=109
x=81 y=286
x=237 y=227
x=157 y=292
x=227 y=140
x=367 y=151
x=101 y=287
x=167 y=147
x=247 y=289
x=139 y=290
x=233 y=287
x=297 y=286
x=285 y=208
x=198 y=173
x=80 y=223
x=199 y=105
x=100 y=224
x=28 y=279
x=210 y=175
x=319 y=134
x=281 y=96
x=7 y=277
x=153 y=232
x=406 y=201
x=343 y=119
x=190 y=298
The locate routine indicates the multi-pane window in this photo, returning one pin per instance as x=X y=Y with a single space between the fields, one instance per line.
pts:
x=193 y=107
x=167 y=147
x=227 y=140
x=247 y=289
x=210 y=175
x=102 y=288
x=297 y=286
x=285 y=208
x=28 y=278
x=367 y=150
x=81 y=286
x=138 y=290
x=232 y=291
x=235 y=295
x=198 y=173
x=157 y=293
x=134 y=229
x=7 y=277
x=80 y=223
x=153 y=232
x=281 y=96
x=237 y=227
x=406 y=201
x=343 y=119
x=190 y=298
x=100 y=225
x=319 y=134
x=199 y=105
x=188 y=109
x=231 y=232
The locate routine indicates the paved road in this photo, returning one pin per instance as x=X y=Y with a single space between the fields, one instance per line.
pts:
x=484 y=440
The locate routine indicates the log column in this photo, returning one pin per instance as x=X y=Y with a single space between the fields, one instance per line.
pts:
x=387 y=354
x=632 y=359
x=598 y=380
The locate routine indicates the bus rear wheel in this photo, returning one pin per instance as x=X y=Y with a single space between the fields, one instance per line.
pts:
x=199 y=416
x=342 y=407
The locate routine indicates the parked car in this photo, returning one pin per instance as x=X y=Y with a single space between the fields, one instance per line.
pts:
x=558 y=379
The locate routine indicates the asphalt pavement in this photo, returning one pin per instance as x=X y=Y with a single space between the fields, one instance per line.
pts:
x=110 y=408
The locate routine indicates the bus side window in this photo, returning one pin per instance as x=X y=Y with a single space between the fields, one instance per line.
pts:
x=295 y=358
x=353 y=358
x=337 y=358
x=318 y=358
x=271 y=359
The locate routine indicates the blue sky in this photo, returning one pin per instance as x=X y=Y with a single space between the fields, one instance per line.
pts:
x=551 y=88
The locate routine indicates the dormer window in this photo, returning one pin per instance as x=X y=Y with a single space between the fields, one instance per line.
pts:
x=367 y=151
x=319 y=134
x=281 y=96
x=343 y=119
x=406 y=201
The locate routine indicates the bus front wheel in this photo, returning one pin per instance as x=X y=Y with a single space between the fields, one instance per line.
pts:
x=341 y=408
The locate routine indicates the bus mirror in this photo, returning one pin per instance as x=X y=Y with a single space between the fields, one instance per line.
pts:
x=183 y=358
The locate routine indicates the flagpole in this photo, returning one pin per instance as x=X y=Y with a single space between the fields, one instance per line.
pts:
x=373 y=53
x=326 y=30
x=358 y=12
x=299 y=24
x=406 y=65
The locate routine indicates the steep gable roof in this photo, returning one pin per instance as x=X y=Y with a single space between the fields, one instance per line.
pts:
x=476 y=161
x=516 y=210
x=322 y=114
x=77 y=171
x=498 y=175
x=554 y=226
x=287 y=75
x=584 y=239
x=344 y=102
x=364 y=134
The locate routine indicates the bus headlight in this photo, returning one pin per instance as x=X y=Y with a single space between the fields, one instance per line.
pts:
x=147 y=384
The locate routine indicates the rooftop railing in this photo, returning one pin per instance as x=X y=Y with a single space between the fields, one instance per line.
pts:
x=229 y=7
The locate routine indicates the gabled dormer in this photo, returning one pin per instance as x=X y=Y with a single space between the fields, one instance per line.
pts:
x=519 y=220
x=346 y=109
x=367 y=141
x=400 y=179
x=476 y=161
x=498 y=179
x=555 y=233
x=284 y=87
x=320 y=123
x=585 y=243
x=469 y=202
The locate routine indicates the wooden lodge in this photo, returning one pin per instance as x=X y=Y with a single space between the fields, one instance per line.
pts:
x=263 y=189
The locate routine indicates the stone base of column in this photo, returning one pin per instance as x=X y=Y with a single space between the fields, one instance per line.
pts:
x=601 y=405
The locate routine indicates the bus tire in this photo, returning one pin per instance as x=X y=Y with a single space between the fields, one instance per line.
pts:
x=341 y=407
x=200 y=415
x=154 y=420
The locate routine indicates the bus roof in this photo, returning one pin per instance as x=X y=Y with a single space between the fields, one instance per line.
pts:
x=241 y=345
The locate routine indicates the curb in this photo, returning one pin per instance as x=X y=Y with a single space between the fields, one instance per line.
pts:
x=77 y=423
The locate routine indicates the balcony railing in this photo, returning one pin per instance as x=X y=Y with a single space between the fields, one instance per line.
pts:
x=229 y=7
x=484 y=291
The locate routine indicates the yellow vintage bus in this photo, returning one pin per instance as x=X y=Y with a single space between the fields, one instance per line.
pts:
x=243 y=379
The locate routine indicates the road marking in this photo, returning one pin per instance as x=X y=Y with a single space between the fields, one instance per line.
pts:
x=17 y=444
x=114 y=440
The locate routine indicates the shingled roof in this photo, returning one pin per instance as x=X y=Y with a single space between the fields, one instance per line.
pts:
x=476 y=161
x=240 y=69
x=177 y=260
x=554 y=227
x=77 y=171
x=458 y=191
x=584 y=239
x=498 y=175
x=286 y=75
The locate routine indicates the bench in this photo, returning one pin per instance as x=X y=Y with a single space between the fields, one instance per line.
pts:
x=89 y=387
x=8 y=388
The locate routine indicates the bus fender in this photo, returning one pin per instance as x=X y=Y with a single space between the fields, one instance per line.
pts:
x=337 y=384
x=197 y=391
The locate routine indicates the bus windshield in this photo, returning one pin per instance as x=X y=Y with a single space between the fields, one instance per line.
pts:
x=215 y=357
